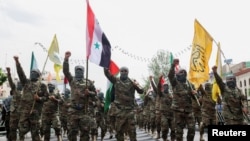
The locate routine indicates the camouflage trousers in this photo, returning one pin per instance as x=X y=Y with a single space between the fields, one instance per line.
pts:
x=14 y=119
x=64 y=123
x=183 y=119
x=167 y=123
x=140 y=120
x=30 y=122
x=50 y=120
x=146 y=120
x=158 y=121
x=101 y=122
x=79 y=121
x=125 y=123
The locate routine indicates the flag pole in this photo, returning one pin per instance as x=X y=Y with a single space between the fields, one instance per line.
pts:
x=87 y=73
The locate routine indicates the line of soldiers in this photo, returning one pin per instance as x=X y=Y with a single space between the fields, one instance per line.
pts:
x=169 y=113
x=40 y=107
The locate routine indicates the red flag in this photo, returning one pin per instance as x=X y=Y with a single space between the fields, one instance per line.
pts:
x=114 y=69
x=66 y=80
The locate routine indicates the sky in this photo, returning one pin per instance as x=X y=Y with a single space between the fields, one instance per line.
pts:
x=136 y=29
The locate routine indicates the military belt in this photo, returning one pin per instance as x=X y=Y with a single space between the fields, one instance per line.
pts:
x=78 y=106
x=124 y=107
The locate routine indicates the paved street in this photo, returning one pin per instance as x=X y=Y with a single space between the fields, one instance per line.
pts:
x=141 y=136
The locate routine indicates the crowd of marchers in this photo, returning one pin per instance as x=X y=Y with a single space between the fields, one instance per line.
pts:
x=78 y=112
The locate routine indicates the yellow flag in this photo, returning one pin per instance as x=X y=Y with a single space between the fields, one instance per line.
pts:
x=200 y=55
x=215 y=88
x=53 y=55
x=57 y=69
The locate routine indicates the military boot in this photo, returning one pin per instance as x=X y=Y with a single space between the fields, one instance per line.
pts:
x=201 y=132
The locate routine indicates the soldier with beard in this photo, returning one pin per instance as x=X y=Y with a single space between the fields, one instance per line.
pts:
x=124 y=102
x=14 y=106
x=233 y=101
x=50 y=113
x=183 y=92
x=81 y=91
x=31 y=103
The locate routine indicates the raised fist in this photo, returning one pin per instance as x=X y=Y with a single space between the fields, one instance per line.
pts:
x=15 y=58
x=8 y=69
x=176 y=62
x=214 y=68
x=67 y=54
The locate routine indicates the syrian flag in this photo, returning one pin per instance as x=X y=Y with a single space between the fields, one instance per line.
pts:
x=98 y=48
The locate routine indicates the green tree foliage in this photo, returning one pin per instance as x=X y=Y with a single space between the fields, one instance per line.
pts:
x=3 y=77
x=160 y=64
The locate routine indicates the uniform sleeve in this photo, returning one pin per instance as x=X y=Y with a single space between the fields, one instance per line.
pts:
x=66 y=70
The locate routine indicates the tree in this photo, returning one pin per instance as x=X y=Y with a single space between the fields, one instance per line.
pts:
x=160 y=64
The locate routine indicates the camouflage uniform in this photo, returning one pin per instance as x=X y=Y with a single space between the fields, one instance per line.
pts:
x=197 y=110
x=78 y=111
x=208 y=111
x=111 y=119
x=31 y=103
x=182 y=106
x=64 y=114
x=14 y=109
x=100 y=117
x=151 y=102
x=158 y=115
x=124 y=102
x=139 y=117
x=165 y=102
x=146 y=114
x=92 y=114
x=233 y=102
x=50 y=115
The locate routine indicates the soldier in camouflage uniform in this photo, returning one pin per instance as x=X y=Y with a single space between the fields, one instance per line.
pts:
x=64 y=111
x=124 y=101
x=31 y=102
x=208 y=111
x=183 y=92
x=233 y=101
x=100 y=115
x=82 y=90
x=50 y=113
x=14 y=106
x=167 y=115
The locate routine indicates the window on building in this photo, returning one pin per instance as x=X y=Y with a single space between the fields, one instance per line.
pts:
x=249 y=81
x=245 y=92
x=245 y=83
x=240 y=84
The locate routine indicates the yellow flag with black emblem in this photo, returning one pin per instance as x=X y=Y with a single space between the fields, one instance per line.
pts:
x=200 y=55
